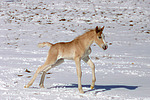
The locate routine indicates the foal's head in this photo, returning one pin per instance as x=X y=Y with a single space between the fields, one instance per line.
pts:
x=100 y=38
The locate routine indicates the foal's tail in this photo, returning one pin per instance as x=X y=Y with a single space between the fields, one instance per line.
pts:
x=41 y=45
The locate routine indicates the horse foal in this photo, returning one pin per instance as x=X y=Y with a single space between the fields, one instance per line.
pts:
x=77 y=50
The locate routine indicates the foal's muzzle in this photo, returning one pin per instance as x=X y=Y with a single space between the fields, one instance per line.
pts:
x=105 y=47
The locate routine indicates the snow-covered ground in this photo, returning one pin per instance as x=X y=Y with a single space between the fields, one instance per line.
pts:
x=122 y=72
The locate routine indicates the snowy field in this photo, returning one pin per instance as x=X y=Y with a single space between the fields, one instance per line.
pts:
x=122 y=71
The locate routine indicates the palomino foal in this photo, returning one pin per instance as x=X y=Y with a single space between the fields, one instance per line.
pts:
x=77 y=49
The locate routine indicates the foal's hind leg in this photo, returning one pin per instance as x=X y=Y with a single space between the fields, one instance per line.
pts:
x=40 y=69
x=47 y=69
x=51 y=59
x=91 y=64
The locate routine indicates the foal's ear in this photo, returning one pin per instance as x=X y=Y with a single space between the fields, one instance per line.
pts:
x=96 y=29
x=102 y=28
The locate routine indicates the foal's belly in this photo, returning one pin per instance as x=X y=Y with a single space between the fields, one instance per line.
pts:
x=68 y=56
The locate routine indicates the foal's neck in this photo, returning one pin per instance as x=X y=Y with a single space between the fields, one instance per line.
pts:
x=90 y=38
x=87 y=38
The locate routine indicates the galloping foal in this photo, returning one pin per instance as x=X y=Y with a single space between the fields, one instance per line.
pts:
x=77 y=49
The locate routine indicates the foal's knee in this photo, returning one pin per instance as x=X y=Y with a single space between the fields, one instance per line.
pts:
x=92 y=65
x=94 y=80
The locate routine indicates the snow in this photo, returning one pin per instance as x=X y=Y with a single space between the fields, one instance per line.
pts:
x=122 y=71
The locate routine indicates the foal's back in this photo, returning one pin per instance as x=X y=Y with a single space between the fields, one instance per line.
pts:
x=64 y=50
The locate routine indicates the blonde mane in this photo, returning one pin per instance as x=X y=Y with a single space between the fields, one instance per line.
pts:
x=86 y=34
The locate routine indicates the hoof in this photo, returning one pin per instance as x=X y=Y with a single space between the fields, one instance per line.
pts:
x=92 y=87
x=81 y=91
x=26 y=86
x=42 y=86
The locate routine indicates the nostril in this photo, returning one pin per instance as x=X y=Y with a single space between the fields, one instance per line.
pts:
x=105 y=47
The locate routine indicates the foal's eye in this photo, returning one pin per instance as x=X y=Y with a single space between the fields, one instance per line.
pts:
x=99 y=37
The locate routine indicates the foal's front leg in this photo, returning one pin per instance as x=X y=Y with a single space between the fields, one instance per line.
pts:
x=79 y=73
x=91 y=64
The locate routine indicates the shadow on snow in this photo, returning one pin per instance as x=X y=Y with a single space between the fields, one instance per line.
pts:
x=102 y=88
